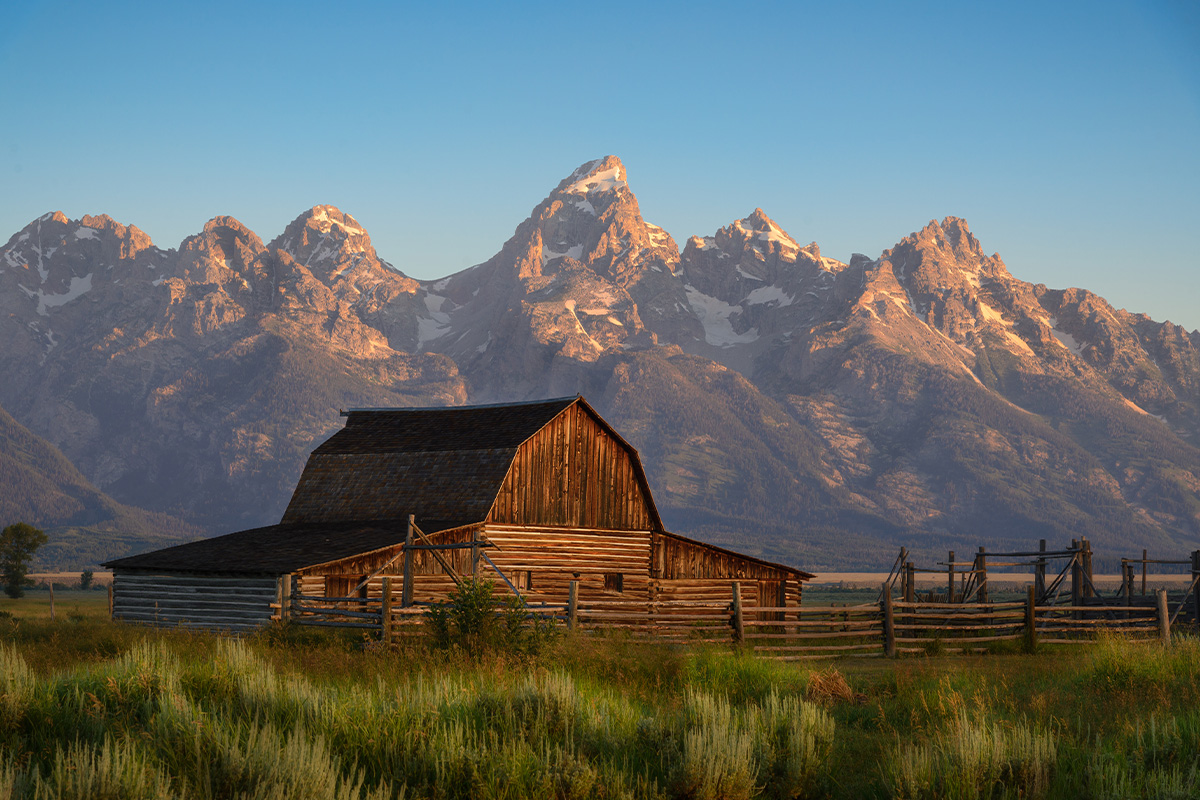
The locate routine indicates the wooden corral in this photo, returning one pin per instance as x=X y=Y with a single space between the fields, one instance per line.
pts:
x=534 y=496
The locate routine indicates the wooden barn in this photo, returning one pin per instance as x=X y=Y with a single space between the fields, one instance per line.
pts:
x=531 y=495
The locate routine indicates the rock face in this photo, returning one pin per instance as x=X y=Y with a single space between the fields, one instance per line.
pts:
x=195 y=381
x=785 y=403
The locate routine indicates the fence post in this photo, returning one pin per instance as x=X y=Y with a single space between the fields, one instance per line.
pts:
x=406 y=592
x=1039 y=574
x=910 y=592
x=385 y=610
x=981 y=576
x=1088 y=590
x=1031 y=619
x=889 y=623
x=475 y=554
x=950 y=578
x=1164 y=619
x=1196 y=588
x=1145 y=559
x=572 y=605
x=285 y=597
x=1076 y=578
x=739 y=625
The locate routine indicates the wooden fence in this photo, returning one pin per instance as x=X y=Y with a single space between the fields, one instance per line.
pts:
x=887 y=628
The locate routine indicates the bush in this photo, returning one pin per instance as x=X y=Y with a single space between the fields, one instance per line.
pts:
x=474 y=620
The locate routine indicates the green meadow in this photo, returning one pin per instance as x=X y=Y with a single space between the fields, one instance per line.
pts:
x=93 y=709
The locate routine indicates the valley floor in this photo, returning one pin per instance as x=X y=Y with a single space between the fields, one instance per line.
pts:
x=89 y=708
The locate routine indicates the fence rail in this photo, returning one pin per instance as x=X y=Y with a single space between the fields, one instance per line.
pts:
x=887 y=628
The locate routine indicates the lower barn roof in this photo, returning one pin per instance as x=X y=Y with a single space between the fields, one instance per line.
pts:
x=278 y=549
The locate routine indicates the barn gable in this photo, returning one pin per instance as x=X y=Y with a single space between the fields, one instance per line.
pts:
x=576 y=472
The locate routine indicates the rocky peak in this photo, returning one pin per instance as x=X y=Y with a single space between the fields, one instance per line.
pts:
x=592 y=219
x=604 y=176
x=225 y=245
x=324 y=235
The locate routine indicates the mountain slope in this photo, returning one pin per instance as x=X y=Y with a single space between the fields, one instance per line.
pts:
x=39 y=485
x=785 y=403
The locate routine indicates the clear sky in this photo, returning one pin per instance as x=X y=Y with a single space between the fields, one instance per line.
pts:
x=1067 y=134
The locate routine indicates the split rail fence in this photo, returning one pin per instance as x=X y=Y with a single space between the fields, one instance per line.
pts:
x=887 y=628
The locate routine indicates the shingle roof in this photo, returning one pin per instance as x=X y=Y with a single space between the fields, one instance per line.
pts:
x=278 y=549
x=439 y=463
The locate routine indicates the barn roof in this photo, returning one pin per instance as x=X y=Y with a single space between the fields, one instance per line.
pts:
x=443 y=465
x=278 y=549
x=437 y=463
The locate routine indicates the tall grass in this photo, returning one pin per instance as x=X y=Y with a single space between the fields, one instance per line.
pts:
x=136 y=713
x=975 y=758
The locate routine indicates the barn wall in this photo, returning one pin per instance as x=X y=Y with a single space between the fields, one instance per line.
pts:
x=542 y=560
x=550 y=558
x=230 y=602
x=573 y=473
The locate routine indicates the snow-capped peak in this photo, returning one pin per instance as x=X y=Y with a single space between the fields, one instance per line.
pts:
x=602 y=175
x=323 y=218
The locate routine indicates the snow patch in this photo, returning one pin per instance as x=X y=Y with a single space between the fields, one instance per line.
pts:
x=586 y=205
x=85 y=233
x=575 y=252
x=714 y=317
x=23 y=236
x=747 y=275
x=770 y=294
x=325 y=223
x=615 y=321
x=1065 y=339
x=437 y=324
x=604 y=181
x=992 y=315
x=79 y=286
x=11 y=259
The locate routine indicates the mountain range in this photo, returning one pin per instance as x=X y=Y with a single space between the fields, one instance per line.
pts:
x=786 y=404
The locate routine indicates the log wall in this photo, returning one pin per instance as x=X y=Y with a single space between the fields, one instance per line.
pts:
x=215 y=602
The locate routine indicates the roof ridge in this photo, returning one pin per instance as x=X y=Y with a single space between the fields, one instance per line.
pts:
x=547 y=401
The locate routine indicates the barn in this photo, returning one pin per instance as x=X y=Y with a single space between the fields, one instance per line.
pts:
x=532 y=495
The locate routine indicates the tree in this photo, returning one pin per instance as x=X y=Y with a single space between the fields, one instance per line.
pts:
x=85 y=579
x=18 y=543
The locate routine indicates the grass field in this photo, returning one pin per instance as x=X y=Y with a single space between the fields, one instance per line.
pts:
x=92 y=709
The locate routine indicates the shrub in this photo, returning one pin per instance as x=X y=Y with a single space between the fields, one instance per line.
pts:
x=474 y=620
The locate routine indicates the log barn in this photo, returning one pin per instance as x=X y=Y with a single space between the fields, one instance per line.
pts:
x=531 y=495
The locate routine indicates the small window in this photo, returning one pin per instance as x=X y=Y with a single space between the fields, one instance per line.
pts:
x=529 y=579
x=614 y=582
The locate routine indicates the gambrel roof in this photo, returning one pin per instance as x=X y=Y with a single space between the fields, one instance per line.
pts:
x=452 y=468
x=439 y=463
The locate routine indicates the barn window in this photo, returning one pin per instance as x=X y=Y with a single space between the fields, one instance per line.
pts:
x=614 y=582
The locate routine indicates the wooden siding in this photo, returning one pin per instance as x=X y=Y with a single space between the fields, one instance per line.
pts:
x=235 y=603
x=541 y=562
x=573 y=473
x=679 y=558
x=552 y=557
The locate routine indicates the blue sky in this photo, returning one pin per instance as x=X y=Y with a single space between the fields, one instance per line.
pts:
x=1068 y=136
